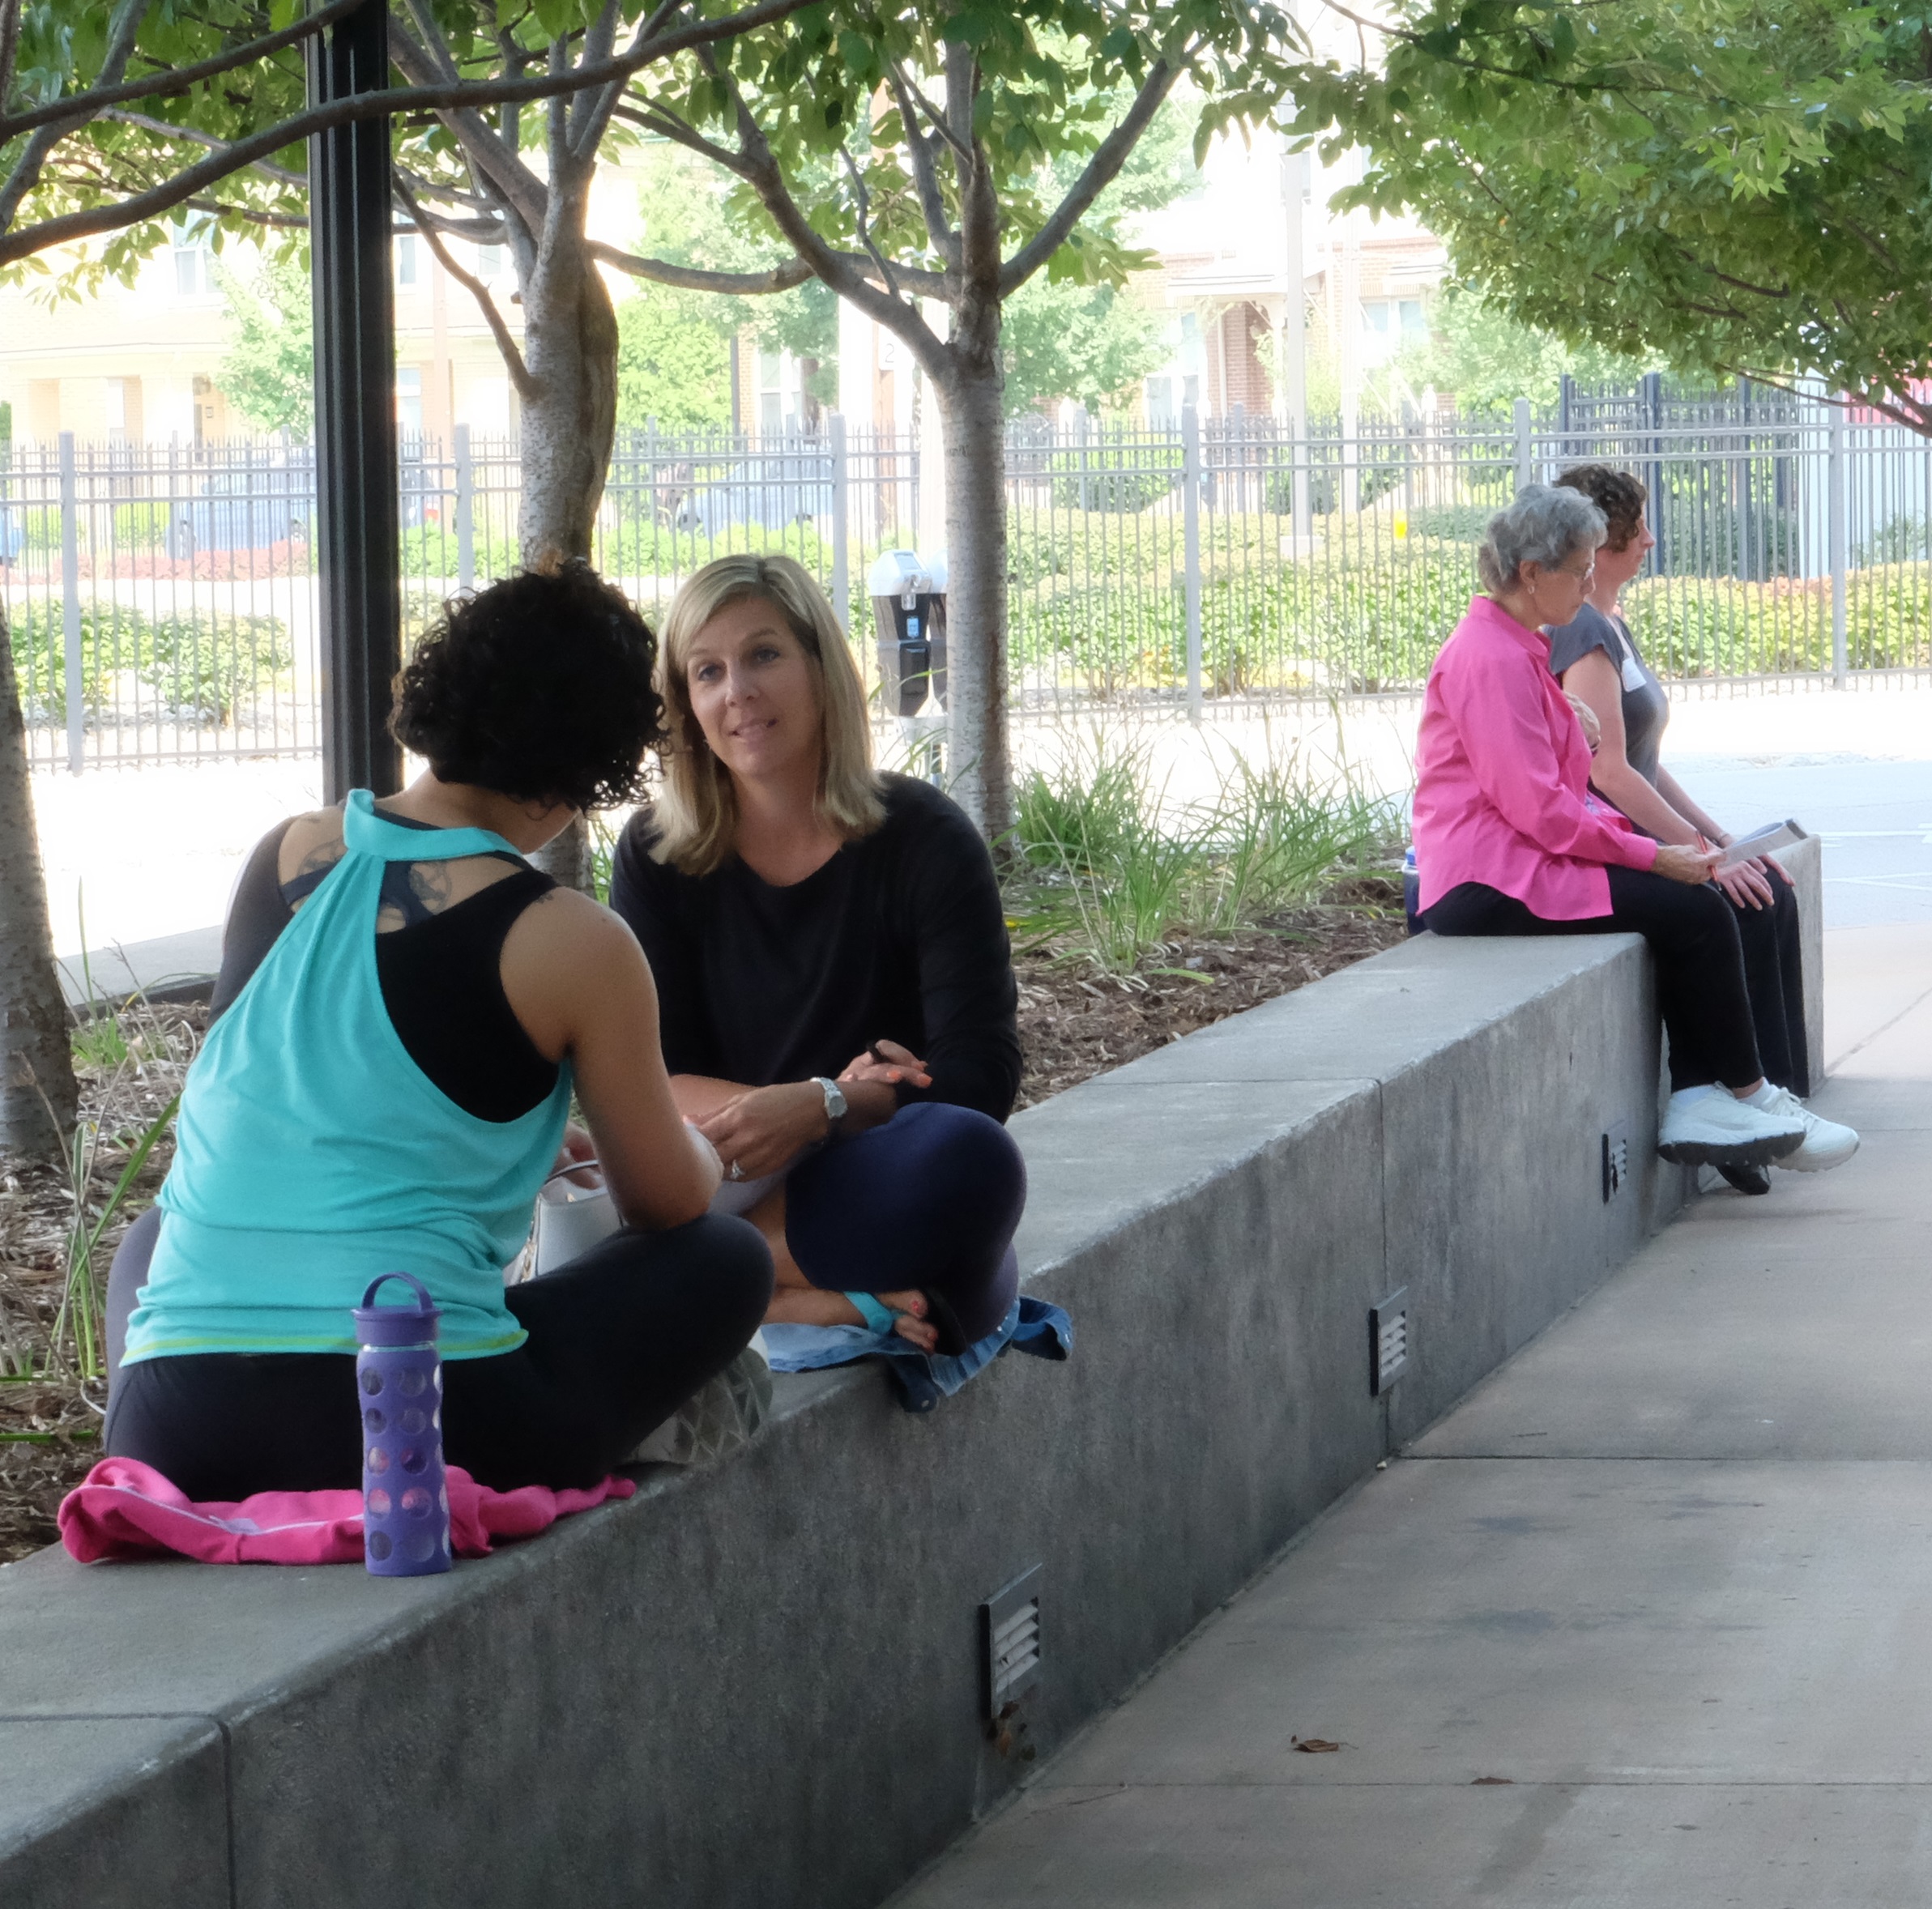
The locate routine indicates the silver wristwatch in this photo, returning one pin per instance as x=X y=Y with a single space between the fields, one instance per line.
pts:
x=835 y=1100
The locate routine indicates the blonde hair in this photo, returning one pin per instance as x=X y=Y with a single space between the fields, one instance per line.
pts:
x=696 y=807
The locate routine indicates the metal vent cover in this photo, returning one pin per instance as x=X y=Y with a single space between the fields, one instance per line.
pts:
x=1616 y=1161
x=1388 y=1341
x=1010 y=1631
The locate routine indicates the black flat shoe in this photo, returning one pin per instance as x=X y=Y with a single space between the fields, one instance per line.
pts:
x=1747 y=1179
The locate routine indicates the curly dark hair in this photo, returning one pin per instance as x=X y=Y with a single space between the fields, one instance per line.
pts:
x=538 y=687
x=1620 y=497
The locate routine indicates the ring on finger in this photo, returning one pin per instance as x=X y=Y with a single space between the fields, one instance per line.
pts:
x=734 y=1171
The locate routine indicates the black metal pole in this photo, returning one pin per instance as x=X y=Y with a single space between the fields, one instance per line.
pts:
x=358 y=553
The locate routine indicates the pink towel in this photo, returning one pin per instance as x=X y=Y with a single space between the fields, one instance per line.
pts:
x=124 y=1509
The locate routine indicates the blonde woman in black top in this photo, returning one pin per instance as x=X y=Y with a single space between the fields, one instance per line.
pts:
x=835 y=986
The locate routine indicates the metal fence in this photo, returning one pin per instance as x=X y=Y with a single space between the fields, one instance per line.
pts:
x=162 y=604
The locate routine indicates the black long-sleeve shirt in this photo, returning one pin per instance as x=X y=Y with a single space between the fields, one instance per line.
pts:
x=899 y=937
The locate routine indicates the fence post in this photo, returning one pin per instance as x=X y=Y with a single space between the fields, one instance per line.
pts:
x=71 y=603
x=842 y=569
x=1836 y=538
x=466 y=512
x=1525 y=463
x=1191 y=548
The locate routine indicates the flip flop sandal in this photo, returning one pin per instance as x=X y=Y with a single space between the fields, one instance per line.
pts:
x=939 y=1315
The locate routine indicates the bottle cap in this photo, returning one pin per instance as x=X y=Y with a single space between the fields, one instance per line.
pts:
x=396 y=1325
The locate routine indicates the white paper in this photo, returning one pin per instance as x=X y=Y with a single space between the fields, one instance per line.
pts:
x=1767 y=841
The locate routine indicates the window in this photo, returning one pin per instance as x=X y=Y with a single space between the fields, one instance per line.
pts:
x=114 y=405
x=1413 y=325
x=1376 y=316
x=194 y=267
x=1160 y=401
x=489 y=262
x=405 y=259
x=409 y=400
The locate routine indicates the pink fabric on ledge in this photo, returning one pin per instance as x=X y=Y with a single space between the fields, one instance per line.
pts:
x=124 y=1509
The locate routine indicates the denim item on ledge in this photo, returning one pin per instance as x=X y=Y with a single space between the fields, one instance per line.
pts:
x=1031 y=1325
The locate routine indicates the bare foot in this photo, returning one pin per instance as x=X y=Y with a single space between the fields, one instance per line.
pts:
x=807 y=1306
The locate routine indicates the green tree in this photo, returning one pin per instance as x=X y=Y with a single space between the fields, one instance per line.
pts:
x=673 y=362
x=1093 y=343
x=269 y=374
x=933 y=157
x=1735 y=187
x=115 y=114
x=689 y=222
x=1488 y=360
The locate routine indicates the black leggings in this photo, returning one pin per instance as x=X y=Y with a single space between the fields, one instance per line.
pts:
x=1692 y=931
x=1774 y=974
x=930 y=1198
x=618 y=1340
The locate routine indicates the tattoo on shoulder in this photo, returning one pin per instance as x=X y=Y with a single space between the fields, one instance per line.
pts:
x=430 y=882
x=320 y=856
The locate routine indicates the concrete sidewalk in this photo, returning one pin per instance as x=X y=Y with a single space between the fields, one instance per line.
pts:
x=1642 y=1622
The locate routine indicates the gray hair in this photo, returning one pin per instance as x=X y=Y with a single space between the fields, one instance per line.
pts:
x=1544 y=525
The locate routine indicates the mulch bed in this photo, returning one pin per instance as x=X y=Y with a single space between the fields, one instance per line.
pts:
x=1074 y=1024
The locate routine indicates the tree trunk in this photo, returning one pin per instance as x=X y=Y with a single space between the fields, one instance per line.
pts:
x=35 y=1059
x=569 y=427
x=980 y=767
x=569 y=421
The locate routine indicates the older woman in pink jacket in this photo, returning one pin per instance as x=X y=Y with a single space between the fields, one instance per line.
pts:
x=1510 y=841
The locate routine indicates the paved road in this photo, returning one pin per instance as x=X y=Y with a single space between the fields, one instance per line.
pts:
x=1875 y=817
x=1642 y=1623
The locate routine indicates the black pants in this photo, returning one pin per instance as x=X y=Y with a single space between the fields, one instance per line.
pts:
x=1774 y=976
x=618 y=1340
x=1693 y=933
x=931 y=1198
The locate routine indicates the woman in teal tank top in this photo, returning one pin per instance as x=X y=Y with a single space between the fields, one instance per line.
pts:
x=405 y=1011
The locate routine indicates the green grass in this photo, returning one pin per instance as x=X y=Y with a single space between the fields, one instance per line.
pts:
x=1106 y=868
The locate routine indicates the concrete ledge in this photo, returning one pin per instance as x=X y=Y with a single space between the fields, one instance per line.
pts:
x=758 y=1683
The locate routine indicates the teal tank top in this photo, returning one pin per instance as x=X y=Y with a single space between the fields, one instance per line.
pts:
x=312 y=1153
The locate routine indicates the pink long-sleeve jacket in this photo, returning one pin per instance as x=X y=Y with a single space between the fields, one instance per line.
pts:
x=1503 y=776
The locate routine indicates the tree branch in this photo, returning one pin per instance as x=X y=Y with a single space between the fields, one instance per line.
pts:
x=591 y=134
x=438 y=189
x=358 y=108
x=9 y=48
x=125 y=25
x=761 y=167
x=512 y=358
x=863 y=211
x=172 y=79
x=902 y=82
x=488 y=151
x=780 y=278
x=654 y=118
x=479 y=231
x=195 y=138
x=600 y=43
x=1100 y=172
x=925 y=174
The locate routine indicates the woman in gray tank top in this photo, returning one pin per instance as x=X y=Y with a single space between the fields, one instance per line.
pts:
x=1597 y=661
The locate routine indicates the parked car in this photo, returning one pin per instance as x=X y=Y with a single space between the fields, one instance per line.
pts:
x=244 y=509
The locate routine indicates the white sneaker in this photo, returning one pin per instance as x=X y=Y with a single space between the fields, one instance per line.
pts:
x=1827 y=1143
x=1717 y=1128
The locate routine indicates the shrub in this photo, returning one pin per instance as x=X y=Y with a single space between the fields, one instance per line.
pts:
x=199 y=668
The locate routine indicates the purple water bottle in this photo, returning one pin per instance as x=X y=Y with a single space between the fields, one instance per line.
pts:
x=400 y=1378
